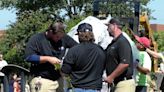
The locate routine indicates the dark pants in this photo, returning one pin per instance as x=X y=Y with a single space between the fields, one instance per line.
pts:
x=141 y=89
x=60 y=88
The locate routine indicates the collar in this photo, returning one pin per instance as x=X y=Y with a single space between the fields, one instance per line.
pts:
x=115 y=39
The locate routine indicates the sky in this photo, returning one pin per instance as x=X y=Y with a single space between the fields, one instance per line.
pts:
x=158 y=7
x=8 y=16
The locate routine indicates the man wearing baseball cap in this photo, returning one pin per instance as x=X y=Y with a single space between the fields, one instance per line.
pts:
x=85 y=62
x=143 y=40
x=145 y=62
x=119 y=65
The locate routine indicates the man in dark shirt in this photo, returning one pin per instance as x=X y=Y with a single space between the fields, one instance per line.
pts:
x=119 y=65
x=44 y=51
x=85 y=62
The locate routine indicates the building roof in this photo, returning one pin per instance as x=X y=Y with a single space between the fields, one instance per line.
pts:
x=157 y=27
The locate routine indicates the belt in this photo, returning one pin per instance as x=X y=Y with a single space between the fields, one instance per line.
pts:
x=122 y=79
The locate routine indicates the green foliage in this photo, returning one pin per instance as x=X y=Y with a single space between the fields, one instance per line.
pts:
x=8 y=3
x=26 y=5
x=123 y=8
x=28 y=23
x=72 y=22
x=18 y=34
x=159 y=36
x=55 y=7
x=34 y=16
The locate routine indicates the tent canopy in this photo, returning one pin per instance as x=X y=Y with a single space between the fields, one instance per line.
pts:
x=99 y=29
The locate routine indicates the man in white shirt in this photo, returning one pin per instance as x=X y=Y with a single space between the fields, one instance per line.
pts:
x=2 y=64
x=143 y=84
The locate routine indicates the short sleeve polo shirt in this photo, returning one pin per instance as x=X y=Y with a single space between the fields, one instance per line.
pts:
x=119 y=51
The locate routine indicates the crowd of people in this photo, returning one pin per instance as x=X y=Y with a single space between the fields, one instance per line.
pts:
x=126 y=63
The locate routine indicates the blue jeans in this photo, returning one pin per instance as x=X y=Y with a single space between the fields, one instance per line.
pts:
x=85 y=90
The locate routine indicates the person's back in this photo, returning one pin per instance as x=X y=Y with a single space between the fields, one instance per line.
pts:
x=85 y=62
x=135 y=53
x=88 y=66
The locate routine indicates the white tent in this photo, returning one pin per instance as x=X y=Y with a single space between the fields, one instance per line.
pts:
x=99 y=29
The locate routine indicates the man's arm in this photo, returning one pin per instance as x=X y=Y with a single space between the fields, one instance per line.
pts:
x=143 y=70
x=124 y=55
x=50 y=59
x=118 y=71
x=68 y=63
x=153 y=53
x=43 y=59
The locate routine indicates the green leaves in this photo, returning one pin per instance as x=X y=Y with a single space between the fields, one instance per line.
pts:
x=159 y=36
x=34 y=16
x=27 y=24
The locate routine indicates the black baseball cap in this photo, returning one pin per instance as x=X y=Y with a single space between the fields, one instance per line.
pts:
x=115 y=21
x=84 y=27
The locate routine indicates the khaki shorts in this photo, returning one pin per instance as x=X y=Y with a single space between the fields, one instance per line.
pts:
x=39 y=84
x=126 y=86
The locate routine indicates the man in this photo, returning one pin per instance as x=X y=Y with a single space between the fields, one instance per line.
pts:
x=101 y=36
x=44 y=51
x=135 y=52
x=142 y=80
x=158 y=55
x=2 y=62
x=119 y=65
x=85 y=62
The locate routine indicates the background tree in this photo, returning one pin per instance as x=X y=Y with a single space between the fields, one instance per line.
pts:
x=17 y=35
x=159 y=36
x=35 y=15
x=122 y=8
x=54 y=7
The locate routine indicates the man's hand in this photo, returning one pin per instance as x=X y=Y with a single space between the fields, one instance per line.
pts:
x=109 y=79
x=54 y=60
